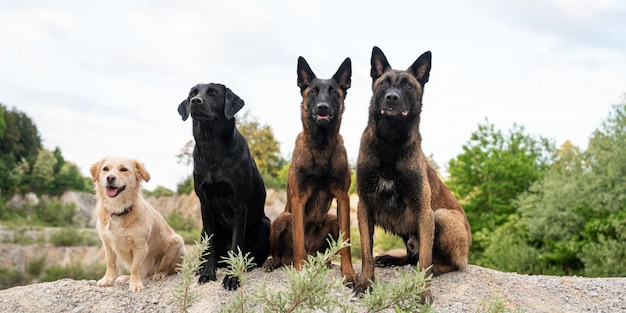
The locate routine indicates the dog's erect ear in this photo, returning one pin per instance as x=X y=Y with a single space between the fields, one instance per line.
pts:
x=232 y=103
x=379 y=64
x=94 y=170
x=183 y=109
x=141 y=172
x=421 y=68
x=305 y=74
x=343 y=75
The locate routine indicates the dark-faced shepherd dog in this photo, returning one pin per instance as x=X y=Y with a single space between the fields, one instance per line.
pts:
x=226 y=180
x=318 y=173
x=398 y=189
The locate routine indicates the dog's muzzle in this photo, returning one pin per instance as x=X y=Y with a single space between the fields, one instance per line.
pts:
x=113 y=191
x=321 y=113
x=392 y=105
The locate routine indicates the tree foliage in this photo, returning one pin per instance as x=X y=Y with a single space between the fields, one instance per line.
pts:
x=265 y=149
x=573 y=220
x=493 y=170
x=26 y=166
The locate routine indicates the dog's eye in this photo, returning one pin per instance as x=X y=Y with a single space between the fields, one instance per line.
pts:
x=211 y=92
x=384 y=83
x=333 y=92
x=105 y=169
x=408 y=85
x=123 y=169
x=313 y=91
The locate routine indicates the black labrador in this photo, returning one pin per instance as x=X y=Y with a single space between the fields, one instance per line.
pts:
x=226 y=180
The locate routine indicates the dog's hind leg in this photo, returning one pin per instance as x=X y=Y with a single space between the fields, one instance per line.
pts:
x=172 y=258
x=452 y=241
x=280 y=242
x=257 y=241
x=411 y=257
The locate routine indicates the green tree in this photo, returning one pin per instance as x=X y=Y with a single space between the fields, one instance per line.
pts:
x=265 y=149
x=42 y=174
x=21 y=137
x=491 y=173
x=573 y=218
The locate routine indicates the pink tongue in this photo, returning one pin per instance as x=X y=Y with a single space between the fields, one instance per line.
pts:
x=111 y=192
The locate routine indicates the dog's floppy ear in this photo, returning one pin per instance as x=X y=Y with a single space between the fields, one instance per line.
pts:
x=141 y=172
x=343 y=75
x=183 y=109
x=232 y=103
x=421 y=67
x=305 y=74
x=94 y=170
x=379 y=64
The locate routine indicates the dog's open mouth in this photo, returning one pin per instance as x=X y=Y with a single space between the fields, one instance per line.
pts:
x=320 y=118
x=393 y=112
x=113 y=191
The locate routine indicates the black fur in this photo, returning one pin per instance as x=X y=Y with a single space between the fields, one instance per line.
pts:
x=226 y=180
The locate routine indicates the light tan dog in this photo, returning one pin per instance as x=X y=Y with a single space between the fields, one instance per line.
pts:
x=131 y=230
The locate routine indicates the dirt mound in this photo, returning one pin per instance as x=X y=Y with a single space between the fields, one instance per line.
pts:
x=464 y=291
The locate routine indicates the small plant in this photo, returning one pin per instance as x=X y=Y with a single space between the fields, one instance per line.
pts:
x=305 y=291
x=401 y=295
x=316 y=288
x=187 y=271
x=495 y=305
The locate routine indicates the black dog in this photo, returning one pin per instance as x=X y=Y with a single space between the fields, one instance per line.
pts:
x=226 y=179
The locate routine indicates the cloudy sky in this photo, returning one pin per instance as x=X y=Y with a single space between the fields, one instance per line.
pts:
x=105 y=77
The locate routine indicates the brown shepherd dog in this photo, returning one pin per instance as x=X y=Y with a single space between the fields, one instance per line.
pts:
x=398 y=190
x=318 y=173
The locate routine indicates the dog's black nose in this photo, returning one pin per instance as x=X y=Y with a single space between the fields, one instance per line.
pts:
x=196 y=100
x=322 y=106
x=110 y=179
x=392 y=97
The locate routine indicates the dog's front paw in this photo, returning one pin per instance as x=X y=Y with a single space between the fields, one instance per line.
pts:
x=427 y=297
x=105 y=281
x=271 y=264
x=159 y=276
x=135 y=286
x=207 y=276
x=350 y=280
x=360 y=289
x=231 y=282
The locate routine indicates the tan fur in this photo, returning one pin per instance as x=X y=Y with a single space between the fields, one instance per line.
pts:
x=141 y=238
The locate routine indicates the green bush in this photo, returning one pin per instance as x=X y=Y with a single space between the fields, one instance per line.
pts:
x=10 y=278
x=184 y=226
x=74 y=271
x=159 y=191
x=384 y=241
x=36 y=266
x=185 y=187
x=71 y=236
x=55 y=213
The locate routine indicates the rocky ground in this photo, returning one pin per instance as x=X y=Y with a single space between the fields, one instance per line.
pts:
x=465 y=291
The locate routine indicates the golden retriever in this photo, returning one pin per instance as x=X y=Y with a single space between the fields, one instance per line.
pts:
x=131 y=230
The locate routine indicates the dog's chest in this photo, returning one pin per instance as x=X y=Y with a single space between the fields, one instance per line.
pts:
x=393 y=191
x=118 y=234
